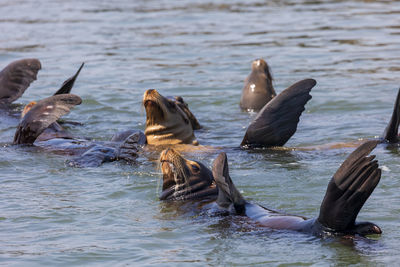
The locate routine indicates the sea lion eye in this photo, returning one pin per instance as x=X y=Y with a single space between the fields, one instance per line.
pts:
x=195 y=168
x=171 y=105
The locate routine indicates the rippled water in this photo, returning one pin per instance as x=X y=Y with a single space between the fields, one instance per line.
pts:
x=51 y=214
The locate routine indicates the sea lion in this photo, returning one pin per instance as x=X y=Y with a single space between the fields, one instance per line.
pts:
x=55 y=130
x=185 y=179
x=168 y=121
x=346 y=193
x=168 y=124
x=44 y=115
x=258 y=89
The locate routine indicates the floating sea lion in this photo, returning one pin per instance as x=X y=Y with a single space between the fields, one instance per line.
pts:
x=347 y=192
x=45 y=113
x=39 y=124
x=258 y=89
x=55 y=130
x=167 y=123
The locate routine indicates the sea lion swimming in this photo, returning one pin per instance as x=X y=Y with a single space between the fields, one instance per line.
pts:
x=258 y=89
x=168 y=124
x=346 y=193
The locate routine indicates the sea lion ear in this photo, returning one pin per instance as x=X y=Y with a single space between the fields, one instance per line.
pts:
x=41 y=115
x=185 y=108
x=69 y=83
x=16 y=78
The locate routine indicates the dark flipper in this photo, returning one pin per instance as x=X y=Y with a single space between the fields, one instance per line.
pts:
x=129 y=149
x=16 y=78
x=94 y=157
x=277 y=121
x=391 y=132
x=349 y=189
x=41 y=115
x=227 y=192
x=69 y=83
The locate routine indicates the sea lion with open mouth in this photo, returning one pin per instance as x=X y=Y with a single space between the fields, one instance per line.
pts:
x=346 y=194
x=185 y=179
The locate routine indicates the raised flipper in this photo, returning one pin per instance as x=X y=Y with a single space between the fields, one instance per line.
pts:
x=69 y=83
x=349 y=189
x=227 y=192
x=391 y=132
x=16 y=78
x=277 y=120
x=41 y=115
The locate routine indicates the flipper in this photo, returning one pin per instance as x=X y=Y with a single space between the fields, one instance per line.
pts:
x=349 y=189
x=227 y=192
x=69 y=83
x=277 y=120
x=41 y=115
x=391 y=132
x=94 y=157
x=16 y=78
x=129 y=149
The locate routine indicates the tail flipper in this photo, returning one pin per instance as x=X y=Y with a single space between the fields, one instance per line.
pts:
x=391 y=132
x=277 y=120
x=41 y=115
x=227 y=192
x=16 y=78
x=349 y=189
x=69 y=83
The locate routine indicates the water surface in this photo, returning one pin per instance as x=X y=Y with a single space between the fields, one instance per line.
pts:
x=51 y=214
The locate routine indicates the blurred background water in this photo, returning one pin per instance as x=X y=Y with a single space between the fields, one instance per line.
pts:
x=51 y=214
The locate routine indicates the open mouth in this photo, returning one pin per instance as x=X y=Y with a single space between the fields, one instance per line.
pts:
x=149 y=103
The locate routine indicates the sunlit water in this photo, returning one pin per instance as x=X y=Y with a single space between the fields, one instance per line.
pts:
x=51 y=214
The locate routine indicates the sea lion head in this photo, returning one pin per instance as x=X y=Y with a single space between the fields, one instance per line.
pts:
x=27 y=108
x=258 y=89
x=185 y=179
x=168 y=121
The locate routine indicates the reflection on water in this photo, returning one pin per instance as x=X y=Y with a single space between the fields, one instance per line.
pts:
x=201 y=50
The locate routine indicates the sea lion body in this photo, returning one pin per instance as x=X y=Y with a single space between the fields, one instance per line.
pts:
x=258 y=89
x=346 y=193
